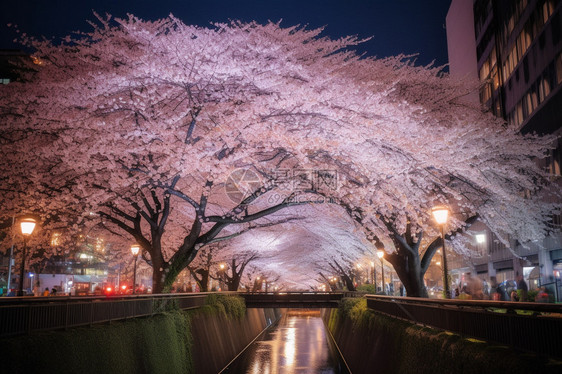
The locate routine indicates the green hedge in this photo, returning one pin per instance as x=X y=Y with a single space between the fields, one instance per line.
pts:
x=417 y=349
x=228 y=306
x=159 y=344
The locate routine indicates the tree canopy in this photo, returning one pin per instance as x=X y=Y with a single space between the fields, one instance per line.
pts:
x=143 y=127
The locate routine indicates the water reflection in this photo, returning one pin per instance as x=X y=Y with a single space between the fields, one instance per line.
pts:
x=297 y=345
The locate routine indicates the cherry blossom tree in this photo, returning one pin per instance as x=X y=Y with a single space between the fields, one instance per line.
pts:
x=234 y=269
x=141 y=116
x=145 y=123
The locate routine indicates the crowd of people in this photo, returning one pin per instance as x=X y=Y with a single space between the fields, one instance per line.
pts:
x=473 y=288
x=53 y=292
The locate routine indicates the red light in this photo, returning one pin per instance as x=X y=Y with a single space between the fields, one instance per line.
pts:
x=123 y=287
x=109 y=289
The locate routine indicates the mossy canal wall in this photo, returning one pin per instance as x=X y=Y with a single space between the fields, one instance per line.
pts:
x=374 y=343
x=198 y=341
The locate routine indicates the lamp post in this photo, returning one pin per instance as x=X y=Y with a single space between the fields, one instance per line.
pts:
x=441 y=214
x=374 y=274
x=27 y=226
x=135 y=249
x=380 y=253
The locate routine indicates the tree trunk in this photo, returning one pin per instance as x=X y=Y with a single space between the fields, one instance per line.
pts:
x=203 y=283
x=233 y=284
x=408 y=269
x=157 y=280
x=348 y=283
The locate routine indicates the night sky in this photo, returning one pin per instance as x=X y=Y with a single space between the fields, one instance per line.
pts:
x=397 y=26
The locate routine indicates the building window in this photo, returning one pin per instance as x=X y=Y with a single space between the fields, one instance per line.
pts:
x=547 y=10
x=486 y=92
x=531 y=30
x=544 y=87
x=554 y=160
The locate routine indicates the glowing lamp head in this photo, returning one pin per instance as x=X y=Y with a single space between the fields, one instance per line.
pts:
x=440 y=214
x=27 y=226
x=480 y=238
x=380 y=254
x=123 y=287
x=221 y=266
x=135 y=248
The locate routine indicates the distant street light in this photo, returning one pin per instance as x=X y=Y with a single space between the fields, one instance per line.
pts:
x=380 y=253
x=222 y=276
x=27 y=226
x=441 y=214
x=135 y=249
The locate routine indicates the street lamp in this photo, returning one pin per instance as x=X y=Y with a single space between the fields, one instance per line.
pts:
x=441 y=214
x=27 y=226
x=135 y=249
x=222 y=276
x=380 y=253
x=480 y=240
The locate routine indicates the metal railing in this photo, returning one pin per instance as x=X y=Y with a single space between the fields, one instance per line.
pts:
x=293 y=299
x=21 y=315
x=529 y=326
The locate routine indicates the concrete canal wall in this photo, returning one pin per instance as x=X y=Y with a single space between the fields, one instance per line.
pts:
x=373 y=343
x=199 y=341
x=217 y=339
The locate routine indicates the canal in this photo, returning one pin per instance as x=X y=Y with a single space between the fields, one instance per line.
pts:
x=299 y=343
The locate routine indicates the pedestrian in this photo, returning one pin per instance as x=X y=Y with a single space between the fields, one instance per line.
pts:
x=46 y=292
x=475 y=287
x=514 y=296
x=54 y=292
x=522 y=288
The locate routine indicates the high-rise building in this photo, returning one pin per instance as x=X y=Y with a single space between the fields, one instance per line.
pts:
x=514 y=48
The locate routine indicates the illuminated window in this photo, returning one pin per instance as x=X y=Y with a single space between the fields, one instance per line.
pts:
x=486 y=93
x=544 y=88
x=495 y=79
x=547 y=10
x=519 y=114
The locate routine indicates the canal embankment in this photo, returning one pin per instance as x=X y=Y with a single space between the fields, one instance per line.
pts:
x=371 y=343
x=201 y=340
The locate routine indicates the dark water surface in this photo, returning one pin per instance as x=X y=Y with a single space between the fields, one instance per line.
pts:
x=298 y=344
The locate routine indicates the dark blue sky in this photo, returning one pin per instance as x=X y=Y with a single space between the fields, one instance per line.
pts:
x=397 y=26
